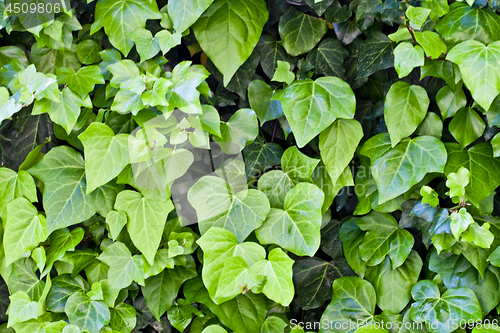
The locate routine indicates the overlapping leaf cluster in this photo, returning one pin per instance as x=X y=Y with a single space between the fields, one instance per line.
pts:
x=361 y=188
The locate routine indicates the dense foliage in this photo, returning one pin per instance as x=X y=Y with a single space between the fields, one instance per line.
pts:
x=250 y=166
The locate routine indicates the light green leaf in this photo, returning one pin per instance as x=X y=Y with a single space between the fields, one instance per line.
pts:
x=123 y=318
x=273 y=324
x=24 y=230
x=65 y=200
x=450 y=100
x=457 y=182
x=407 y=57
x=479 y=235
x=61 y=241
x=311 y=106
x=236 y=278
x=438 y=8
x=283 y=73
x=495 y=143
x=146 y=45
x=417 y=16
x=384 y=237
x=214 y=329
x=184 y=13
x=8 y=105
x=116 y=221
x=85 y=313
x=239 y=213
x=147 y=219
x=106 y=154
x=404 y=109
x=87 y=52
x=432 y=43
x=63 y=286
x=460 y=221
x=278 y=271
x=241 y=129
x=393 y=286
x=429 y=196
x=167 y=41
x=21 y=308
x=297 y=227
x=123 y=71
x=480 y=68
x=15 y=185
x=83 y=81
x=119 y=18
x=354 y=301
x=466 y=126
x=337 y=145
x=403 y=166
x=300 y=32
x=228 y=51
x=123 y=267
x=438 y=310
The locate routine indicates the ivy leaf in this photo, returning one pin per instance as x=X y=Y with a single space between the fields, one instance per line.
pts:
x=351 y=237
x=65 y=111
x=21 y=308
x=121 y=18
x=147 y=219
x=460 y=222
x=214 y=329
x=384 y=237
x=123 y=267
x=270 y=52
x=218 y=246
x=328 y=58
x=259 y=97
x=393 y=286
x=354 y=301
x=311 y=106
x=235 y=278
x=431 y=42
x=438 y=8
x=417 y=16
x=15 y=185
x=415 y=157
x=466 y=126
x=24 y=230
x=297 y=227
x=239 y=213
x=241 y=129
x=63 y=286
x=116 y=221
x=85 y=313
x=429 y=196
x=450 y=100
x=479 y=67
x=283 y=73
x=457 y=182
x=9 y=107
x=407 y=57
x=259 y=156
x=300 y=32
x=273 y=324
x=454 y=304
x=376 y=54
x=65 y=200
x=479 y=235
x=123 y=318
x=337 y=145
x=87 y=52
x=245 y=20
x=83 y=81
x=278 y=270
x=404 y=109
x=161 y=290
x=483 y=167
x=313 y=278
x=61 y=241
x=185 y=13
x=106 y=154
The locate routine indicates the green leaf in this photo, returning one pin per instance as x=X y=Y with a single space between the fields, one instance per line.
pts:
x=354 y=301
x=106 y=154
x=393 y=286
x=300 y=32
x=376 y=54
x=239 y=213
x=119 y=18
x=123 y=267
x=161 y=290
x=273 y=324
x=417 y=16
x=259 y=97
x=450 y=100
x=278 y=270
x=438 y=8
x=429 y=196
x=214 y=329
x=337 y=145
x=241 y=129
x=147 y=219
x=85 y=313
x=297 y=227
x=146 y=45
x=404 y=109
x=328 y=58
x=432 y=43
x=15 y=185
x=87 y=52
x=437 y=310
x=61 y=241
x=352 y=236
x=407 y=57
x=116 y=221
x=83 y=81
x=384 y=237
x=123 y=318
x=478 y=64
x=65 y=200
x=483 y=167
x=460 y=221
x=185 y=13
x=260 y=156
x=457 y=182
x=270 y=52
x=235 y=279
x=464 y=23
x=245 y=20
x=313 y=278
x=21 y=308
x=283 y=73
x=218 y=246
x=479 y=235
x=24 y=230
x=466 y=126
x=311 y=106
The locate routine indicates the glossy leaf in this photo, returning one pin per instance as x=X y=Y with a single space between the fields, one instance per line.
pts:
x=466 y=126
x=85 y=313
x=407 y=57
